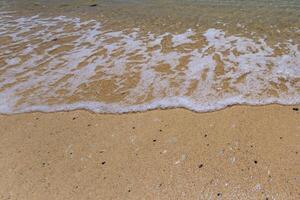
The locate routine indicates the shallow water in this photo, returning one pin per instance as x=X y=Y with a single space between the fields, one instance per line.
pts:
x=122 y=56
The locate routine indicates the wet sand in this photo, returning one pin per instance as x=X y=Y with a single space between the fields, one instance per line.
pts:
x=241 y=152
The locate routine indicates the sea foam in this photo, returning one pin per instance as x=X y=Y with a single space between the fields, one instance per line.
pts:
x=62 y=63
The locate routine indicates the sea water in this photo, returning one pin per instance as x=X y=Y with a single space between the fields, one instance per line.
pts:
x=126 y=56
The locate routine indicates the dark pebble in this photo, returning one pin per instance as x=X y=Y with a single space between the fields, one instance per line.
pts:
x=103 y=162
x=200 y=166
x=93 y=5
x=205 y=135
x=154 y=140
x=255 y=161
x=219 y=194
x=129 y=190
x=296 y=109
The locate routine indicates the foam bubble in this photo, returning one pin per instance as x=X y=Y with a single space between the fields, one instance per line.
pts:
x=61 y=63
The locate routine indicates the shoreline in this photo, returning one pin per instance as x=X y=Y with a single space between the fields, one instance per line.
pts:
x=241 y=152
x=149 y=109
x=149 y=100
x=157 y=109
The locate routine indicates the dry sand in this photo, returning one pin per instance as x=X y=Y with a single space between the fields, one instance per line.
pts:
x=241 y=152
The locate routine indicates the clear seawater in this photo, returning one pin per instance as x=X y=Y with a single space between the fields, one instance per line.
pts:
x=123 y=56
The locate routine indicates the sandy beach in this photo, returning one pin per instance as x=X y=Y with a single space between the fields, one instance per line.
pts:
x=241 y=152
x=69 y=68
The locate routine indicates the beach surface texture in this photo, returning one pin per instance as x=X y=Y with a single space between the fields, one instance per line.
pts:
x=160 y=99
x=241 y=152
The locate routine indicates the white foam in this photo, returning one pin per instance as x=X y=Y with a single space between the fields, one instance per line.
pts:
x=13 y=61
x=183 y=38
x=165 y=103
x=35 y=74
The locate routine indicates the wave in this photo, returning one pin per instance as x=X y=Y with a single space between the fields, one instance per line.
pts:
x=63 y=63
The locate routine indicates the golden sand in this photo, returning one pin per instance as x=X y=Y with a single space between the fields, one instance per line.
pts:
x=240 y=152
